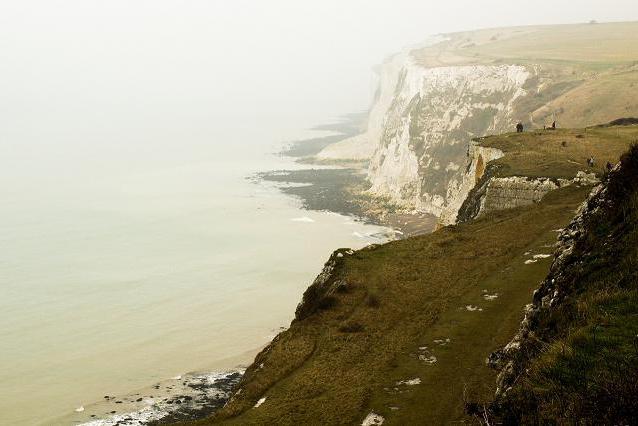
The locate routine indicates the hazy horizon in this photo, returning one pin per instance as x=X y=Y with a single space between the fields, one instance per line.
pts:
x=146 y=73
x=134 y=248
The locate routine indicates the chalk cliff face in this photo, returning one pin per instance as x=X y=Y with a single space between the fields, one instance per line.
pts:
x=474 y=180
x=420 y=160
x=363 y=147
x=420 y=127
x=432 y=100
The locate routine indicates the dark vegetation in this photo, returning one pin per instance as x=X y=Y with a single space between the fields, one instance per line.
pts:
x=622 y=122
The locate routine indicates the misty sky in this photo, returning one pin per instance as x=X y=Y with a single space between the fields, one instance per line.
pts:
x=132 y=74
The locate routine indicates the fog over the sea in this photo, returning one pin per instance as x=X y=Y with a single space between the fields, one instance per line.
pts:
x=81 y=80
x=132 y=247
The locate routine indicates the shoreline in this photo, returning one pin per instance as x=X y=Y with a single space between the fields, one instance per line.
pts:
x=188 y=396
x=199 y=393
x=342 y=190
x=341 y=186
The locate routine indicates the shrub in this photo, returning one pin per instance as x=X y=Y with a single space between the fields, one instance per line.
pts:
x=351 y=327
x=372 y=300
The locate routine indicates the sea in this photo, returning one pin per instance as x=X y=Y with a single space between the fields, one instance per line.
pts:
x=124 y=267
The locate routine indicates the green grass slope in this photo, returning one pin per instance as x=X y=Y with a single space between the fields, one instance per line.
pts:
x=578 y=362
x=560 y=153
x=403 y=329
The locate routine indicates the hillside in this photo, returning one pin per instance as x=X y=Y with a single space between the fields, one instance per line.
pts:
x=434 y=99
x=576 y=353
x=400 y=332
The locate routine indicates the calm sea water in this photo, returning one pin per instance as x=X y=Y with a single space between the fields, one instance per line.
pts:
x=114 y=279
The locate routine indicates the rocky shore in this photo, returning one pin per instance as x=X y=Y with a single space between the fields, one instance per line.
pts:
x=189 y=397
x=343 y=190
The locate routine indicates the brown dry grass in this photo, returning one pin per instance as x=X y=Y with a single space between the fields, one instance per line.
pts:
x=560 y=153
x=598 y=100
x=601 y=43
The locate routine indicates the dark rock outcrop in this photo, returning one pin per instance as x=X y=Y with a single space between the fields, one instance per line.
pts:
x=320 y=293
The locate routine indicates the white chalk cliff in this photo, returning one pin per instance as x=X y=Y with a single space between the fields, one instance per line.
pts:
x=363 y=146
x=420 y=127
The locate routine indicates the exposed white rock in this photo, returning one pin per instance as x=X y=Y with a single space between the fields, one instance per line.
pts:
x=509 y=361
x=410 y=382
x=362 y=147
x=583 y=178
x=373 y=419
x=434 y=114
x=510 y=192
x=260 y=402
x=428 y=359
x=419 y=131
x=542 y=256
x=421 y=124
x=477 y=159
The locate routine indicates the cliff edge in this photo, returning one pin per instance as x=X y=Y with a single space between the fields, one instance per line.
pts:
x=575 y=356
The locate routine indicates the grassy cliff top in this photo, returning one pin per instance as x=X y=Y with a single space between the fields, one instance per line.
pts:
x=560 y=153
x=598 y=46
x=577 y=362
x=403 y=329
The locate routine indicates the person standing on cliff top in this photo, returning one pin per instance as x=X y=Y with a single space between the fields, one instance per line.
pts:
x=519 y=127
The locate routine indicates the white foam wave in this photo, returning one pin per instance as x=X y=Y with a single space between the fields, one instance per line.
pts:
x=304 y=219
